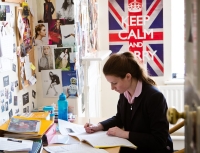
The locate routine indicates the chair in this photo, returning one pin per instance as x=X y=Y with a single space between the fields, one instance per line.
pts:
x=174 y=129
x=173 y=116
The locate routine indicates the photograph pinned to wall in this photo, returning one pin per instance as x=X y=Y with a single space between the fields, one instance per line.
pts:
x=12 y=88
x=62 y=58
x=10 y=114
x=20 y=25
x=45 y=10
x=2 y=12
x=2 y=105
x=80 y=79
x=27 y=39
x=25 y=98
x=10 y=97
x=2 y=92
x=16 y=111
x=14 y=48
x=78 y=36
x=70 y=84
x=33 y=93
x=27 y=109
x=6 y=106
x=68 y=35
x=15 y=100
x=16 y=83
x=6 y=81
x=72 y=60
x=65 y=10
x=78 y=56
x=51 y=83
x=55 y=35
x=41 y=34
x=24 y=110
x=33 y=105
x=6 y=93
x=77 y=11
x=46 y=57
x=14 y=67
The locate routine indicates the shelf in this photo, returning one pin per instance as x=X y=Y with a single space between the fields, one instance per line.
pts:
x=97 y=56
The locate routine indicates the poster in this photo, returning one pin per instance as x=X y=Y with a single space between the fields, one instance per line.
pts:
x=70 y=87
x=137 y=26
x=51 y=83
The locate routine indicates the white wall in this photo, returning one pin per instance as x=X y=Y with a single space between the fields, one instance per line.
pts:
x=109 y=98
x=13 y=76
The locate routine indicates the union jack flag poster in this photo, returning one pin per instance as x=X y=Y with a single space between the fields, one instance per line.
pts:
x=137 y=26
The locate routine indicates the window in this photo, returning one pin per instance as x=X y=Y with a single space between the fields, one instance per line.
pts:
x=177 y=39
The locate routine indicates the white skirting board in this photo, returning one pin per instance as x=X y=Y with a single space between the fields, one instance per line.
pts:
x=178 y=142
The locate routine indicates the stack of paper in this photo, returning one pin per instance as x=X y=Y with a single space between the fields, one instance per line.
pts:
x=8 y=144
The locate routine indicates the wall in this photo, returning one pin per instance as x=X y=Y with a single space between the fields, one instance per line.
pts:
x=13 y=76
x=109 y=98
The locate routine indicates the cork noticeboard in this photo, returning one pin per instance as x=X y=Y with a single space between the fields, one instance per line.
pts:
x=23 y=82
x=13 y=1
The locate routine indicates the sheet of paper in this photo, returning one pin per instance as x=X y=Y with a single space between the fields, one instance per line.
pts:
x=100 y=139
x=64 y=139
x=74 y=148
x=20 y=25
x=66 y=127
x=7 y=46
x=32 y=80
x=10 y=144
x=27 y=58
x=28 y=71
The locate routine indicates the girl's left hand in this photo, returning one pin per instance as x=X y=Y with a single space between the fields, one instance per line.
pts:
x=115 y=131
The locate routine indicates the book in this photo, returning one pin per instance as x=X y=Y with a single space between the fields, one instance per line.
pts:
x=18 y=125
x=15 y=145
x=20 y=136
x=101 y=140
x=45 y=124
x=37 y=146
x=37 y=115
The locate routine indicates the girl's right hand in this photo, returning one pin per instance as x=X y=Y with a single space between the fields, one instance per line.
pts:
x=90 y=128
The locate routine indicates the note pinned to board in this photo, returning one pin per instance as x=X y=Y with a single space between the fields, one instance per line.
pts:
x=32 y=80
x=32 y=66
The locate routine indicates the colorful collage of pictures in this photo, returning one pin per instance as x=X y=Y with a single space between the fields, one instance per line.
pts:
x=59 y=33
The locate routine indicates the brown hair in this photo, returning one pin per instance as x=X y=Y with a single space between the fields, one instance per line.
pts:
x=65 y=4
x=38 y=28
x=120 y=64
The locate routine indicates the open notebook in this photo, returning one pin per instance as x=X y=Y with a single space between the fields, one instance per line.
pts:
x=97 y=140
x=101 y=140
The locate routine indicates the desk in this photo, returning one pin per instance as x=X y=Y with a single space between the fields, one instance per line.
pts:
x=83 y=120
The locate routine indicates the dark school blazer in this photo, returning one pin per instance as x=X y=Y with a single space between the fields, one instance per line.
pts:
x=147 y=122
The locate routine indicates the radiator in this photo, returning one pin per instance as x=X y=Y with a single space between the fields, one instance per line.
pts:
x=174 y=95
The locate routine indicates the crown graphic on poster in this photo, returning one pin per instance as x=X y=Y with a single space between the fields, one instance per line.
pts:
x=135 y=6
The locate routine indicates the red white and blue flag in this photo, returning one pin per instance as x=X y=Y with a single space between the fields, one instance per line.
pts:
x=137 y=26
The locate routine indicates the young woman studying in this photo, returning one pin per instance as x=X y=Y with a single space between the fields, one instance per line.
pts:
x=141 y=109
